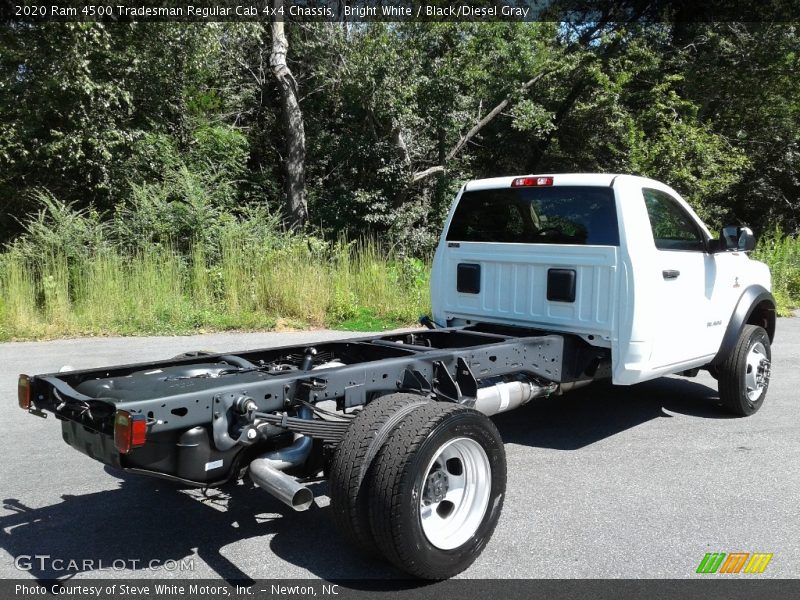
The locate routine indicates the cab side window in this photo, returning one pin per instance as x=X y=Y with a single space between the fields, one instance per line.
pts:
x=673 y=228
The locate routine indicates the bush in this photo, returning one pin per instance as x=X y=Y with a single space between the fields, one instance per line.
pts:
x=59 y=229
x=782 y=254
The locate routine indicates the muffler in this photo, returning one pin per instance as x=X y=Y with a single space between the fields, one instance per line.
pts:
x=499 y=394
x=266 y=471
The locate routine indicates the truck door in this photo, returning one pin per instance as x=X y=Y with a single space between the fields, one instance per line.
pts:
x=686 y=277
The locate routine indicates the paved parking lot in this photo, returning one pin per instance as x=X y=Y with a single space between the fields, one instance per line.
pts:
x=633 y=482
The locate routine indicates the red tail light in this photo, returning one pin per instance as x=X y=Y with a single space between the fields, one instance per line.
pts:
x=130 y=431
x=24 y=392
x=531 y=182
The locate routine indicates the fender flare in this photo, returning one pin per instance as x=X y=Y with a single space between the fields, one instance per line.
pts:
x=748 y=301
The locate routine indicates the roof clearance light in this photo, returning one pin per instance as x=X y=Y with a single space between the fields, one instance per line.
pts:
x=130 y=431
x=531 y=182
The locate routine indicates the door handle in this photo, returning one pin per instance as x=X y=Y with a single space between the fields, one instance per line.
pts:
x=670 y=273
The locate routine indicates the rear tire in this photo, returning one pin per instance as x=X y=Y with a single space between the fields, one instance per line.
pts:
x=351 y=462
x=437 y=490
x=744 y=375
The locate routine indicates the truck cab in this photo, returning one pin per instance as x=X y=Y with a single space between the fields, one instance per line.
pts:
x=619 y=260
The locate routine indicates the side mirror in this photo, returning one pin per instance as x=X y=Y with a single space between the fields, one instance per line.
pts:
x=734 y=239
x=729 y=237
x=747 y=241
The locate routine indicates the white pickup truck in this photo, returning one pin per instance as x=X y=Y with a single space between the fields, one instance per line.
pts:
x=540 y=284
x=623 y=262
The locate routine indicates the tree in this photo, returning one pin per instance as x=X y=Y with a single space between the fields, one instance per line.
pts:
x=745 y=77
x=63 y=114
x=294 y=163
x=369 y=128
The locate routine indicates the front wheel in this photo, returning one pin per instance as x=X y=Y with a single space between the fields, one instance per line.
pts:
x=744 y=375
x=437 y=490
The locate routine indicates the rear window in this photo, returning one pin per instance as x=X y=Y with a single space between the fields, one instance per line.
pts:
x=537 y=215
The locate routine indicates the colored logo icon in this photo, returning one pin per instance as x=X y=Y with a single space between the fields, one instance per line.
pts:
x=735 y=562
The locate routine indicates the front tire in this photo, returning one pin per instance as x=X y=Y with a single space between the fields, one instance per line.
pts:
x=744 y=375
x=437 y=490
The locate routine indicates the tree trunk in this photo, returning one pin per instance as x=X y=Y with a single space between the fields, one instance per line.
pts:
x=294 y=163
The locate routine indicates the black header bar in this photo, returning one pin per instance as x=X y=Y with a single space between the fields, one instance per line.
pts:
x=356 y=11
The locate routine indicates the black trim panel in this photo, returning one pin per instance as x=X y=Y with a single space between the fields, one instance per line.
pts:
x=468 y=278
x=561 y=285
x=750 y=298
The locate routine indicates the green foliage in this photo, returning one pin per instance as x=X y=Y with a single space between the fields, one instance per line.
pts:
x=667 y=142
x=129 y=117
x=744 y=77
x=782 y=254
x=60 y=229
x=365 y=320
x=183 y=208
x=531 y=117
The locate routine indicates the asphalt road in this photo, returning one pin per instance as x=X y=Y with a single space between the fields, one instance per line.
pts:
x=635 y=482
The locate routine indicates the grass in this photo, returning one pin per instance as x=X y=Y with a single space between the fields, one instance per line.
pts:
x=366 y=320
x=355 y=286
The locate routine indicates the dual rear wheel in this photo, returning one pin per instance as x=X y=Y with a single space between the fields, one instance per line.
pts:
x=422 y=483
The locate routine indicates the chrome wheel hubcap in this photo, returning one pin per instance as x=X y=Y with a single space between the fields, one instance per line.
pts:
x=757 y=371
x=456 y=493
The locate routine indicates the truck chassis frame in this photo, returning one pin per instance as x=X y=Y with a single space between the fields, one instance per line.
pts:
x=253 y=403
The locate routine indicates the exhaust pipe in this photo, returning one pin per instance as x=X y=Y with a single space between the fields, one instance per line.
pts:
x=279 y=484
x=266 y=471
x=499 y=395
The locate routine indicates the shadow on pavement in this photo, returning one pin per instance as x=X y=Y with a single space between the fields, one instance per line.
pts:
x=600 y=410
x=144 y=520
